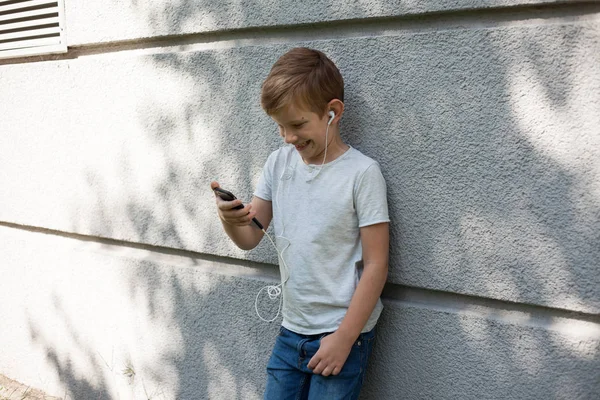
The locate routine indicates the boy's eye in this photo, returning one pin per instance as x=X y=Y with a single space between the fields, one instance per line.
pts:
x=298 y=125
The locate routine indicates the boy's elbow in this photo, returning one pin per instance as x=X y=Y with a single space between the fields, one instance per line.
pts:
x=246 y=246
x=249 y=243
x=378 y=269
x=383 y=271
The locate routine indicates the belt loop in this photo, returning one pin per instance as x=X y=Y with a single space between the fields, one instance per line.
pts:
x=301 y=344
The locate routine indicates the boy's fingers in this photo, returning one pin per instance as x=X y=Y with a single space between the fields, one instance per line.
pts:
x=319 y=368
x=228 y=205
x=313 y=362
x=241 y=221
x=248 y=218
x=242 y=212
x=239 y=217
x=243 y=218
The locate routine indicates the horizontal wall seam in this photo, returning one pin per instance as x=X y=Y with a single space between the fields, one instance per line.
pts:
x=125 y=248
x=514 y=16
x=398 y=294
x=572 y=323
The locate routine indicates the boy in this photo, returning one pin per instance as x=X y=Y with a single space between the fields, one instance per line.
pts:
x=329 y=209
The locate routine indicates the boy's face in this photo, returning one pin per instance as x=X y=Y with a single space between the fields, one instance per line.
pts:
x=305 y=130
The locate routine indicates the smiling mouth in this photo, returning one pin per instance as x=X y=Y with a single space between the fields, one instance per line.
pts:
x=301 y=146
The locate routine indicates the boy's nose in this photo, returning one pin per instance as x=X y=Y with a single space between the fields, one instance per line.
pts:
x=289 y=137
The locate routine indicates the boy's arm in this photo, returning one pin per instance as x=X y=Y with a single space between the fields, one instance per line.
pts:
x=238 y=223
x=335 y=348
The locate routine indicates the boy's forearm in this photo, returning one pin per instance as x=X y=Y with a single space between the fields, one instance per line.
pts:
x=363 y=301
x=245 y=237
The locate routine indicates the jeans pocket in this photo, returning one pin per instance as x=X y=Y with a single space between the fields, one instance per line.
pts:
x=365 y=342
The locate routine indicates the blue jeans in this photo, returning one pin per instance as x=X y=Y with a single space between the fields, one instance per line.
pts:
x=289 y=378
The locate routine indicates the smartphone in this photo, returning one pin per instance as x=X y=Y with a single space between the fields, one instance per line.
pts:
x=228 y=196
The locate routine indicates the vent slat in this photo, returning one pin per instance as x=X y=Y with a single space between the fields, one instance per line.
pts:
x=32 y=27
x=30 y=23
x=30 y=33
x=13 y=8
x=32 y=51
x=7 y=2
x=28 y=43
x=8 y=18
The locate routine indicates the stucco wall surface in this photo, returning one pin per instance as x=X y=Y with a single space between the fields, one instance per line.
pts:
x=117 y=281
x=488 y=193
x=94 y=321
x=97 y=320
x=116 y=20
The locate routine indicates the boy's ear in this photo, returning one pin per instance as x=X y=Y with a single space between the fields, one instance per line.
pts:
x=337 y=106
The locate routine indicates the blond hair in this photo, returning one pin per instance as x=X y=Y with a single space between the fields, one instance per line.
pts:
x=303 y=77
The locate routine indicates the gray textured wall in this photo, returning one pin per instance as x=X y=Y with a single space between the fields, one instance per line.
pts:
x=118 y=281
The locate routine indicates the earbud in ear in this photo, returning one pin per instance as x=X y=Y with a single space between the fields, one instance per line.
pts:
x=331 y=117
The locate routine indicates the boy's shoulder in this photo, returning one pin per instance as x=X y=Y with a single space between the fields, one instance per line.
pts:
x=355 y=163
x=356 y=156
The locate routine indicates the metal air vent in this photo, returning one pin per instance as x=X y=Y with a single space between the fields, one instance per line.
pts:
x=31 y=27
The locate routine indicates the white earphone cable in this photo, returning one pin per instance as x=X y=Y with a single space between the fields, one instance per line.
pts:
x=275 y=291
x=325 y=156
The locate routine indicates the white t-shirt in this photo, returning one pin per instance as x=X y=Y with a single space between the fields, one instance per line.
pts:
x=316 y=219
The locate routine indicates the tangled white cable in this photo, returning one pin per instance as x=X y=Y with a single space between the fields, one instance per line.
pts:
x=274 y=291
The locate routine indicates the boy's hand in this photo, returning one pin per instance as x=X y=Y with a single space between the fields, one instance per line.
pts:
x=332 y=355
x=230 y=216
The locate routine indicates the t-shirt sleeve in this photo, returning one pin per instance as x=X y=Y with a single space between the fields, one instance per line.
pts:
x=370 y=197
x=264 y=188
